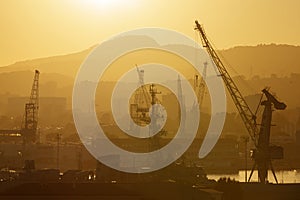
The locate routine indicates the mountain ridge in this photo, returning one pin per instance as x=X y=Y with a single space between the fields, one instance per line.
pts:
x=248 y=61
x=58 y=72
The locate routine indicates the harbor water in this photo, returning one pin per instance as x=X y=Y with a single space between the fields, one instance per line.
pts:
x=286 y=176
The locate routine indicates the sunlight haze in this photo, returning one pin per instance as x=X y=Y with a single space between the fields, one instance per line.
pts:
x=32 y=29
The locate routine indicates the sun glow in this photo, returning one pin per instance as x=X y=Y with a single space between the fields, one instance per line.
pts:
x=108 y=3
x=102 y=2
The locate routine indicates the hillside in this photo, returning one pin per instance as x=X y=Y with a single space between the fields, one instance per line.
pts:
x=253 y=67
x=62 y=64
x=248 y=61
x=264 y=60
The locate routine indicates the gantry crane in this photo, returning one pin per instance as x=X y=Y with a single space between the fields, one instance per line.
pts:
x=30 y=120
x=263 y=153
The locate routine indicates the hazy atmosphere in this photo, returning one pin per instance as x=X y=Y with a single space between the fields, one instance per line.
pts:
x=32 y=29
x=214 y=115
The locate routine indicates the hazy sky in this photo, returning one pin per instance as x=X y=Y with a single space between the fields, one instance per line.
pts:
x=40 y=28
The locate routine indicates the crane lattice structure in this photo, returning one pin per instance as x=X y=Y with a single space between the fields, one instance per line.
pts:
x=30 y=120
x=244 y=110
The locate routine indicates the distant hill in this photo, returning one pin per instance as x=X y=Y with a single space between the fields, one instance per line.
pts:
x=253 y=67
x=264 y=60
x=62 y=64
x=248 y=61
x=70 y=63
x=19 y=83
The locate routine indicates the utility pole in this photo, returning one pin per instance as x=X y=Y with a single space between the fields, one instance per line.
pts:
x=57 y=155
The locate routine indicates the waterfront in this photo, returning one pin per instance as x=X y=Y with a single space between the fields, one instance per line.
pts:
x=285 y=176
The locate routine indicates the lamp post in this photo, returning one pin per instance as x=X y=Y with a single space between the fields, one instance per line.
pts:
x=246 y=140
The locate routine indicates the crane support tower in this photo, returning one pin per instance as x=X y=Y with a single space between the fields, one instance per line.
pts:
x=30 y=121
x=200 y=88
x=263 y=152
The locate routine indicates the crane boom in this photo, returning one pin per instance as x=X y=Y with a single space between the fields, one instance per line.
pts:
x=248 y=117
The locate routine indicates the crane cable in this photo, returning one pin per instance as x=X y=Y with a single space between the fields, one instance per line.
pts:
x=251 y=90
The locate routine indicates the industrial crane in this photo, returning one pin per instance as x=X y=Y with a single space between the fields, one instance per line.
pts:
x=30 y=121
x=142 y=102
x=140 y=110
x=263 y=153
x=244 y=110
x=200 y=88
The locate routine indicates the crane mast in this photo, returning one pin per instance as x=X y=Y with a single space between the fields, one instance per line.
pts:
x=29 y=126
x=248 y=117
x=265 y=153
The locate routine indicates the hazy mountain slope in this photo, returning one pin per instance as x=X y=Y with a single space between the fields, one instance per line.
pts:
x=63 y=64
x=245 y=60
x=264 y=59
x=70 y=63
x=57 y=73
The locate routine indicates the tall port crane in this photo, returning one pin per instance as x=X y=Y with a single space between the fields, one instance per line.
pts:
x=263 y=153
x=30 y=121
x=244 y=110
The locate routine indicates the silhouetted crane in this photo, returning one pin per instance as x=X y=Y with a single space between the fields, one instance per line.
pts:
x=30 y=121
x=263 y=153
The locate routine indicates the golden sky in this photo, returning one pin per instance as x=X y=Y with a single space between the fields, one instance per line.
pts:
x=41 y=28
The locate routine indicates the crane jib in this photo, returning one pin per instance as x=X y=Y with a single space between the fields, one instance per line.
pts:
x=244 y=110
